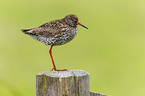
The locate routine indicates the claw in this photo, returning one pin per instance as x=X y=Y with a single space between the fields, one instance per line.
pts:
x=59 y=69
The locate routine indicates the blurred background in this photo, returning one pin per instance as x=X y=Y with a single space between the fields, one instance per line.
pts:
x=112 y=50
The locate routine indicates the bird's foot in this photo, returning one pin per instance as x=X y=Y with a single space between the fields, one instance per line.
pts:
x=59 y=69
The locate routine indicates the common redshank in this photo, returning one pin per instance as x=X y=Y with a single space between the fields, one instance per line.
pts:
x=57 y=32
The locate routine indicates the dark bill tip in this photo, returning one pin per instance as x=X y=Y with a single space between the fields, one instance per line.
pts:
x=78 y=23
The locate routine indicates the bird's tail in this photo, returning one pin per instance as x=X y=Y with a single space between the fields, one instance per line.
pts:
x=27 y=31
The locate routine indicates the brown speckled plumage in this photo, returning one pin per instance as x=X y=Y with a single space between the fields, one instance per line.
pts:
x=57 y=32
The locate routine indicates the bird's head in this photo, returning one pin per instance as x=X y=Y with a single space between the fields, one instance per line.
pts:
x=72 y=20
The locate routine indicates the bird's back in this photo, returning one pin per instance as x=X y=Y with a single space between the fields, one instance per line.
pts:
x=53 y=33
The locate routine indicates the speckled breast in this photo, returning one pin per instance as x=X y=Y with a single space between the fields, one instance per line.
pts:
x=58 y=39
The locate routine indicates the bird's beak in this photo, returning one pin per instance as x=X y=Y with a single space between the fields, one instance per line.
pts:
x=78 y=23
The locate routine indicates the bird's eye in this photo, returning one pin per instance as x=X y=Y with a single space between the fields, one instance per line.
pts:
x=71 y=19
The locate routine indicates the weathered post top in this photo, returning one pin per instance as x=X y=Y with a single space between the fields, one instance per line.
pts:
x=64 y=83
x=63 y=73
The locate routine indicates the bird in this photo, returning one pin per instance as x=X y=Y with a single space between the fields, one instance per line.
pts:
x=56 y=32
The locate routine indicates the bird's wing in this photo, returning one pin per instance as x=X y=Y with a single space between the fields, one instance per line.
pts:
x=49 y=29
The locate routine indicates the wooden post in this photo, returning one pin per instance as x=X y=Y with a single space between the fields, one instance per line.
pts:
x=63 y=83
x=97 y=94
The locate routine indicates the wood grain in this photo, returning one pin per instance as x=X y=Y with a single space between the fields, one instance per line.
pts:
x=62 y=83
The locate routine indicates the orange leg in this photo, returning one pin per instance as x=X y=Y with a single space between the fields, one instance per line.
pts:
x=54 y=67
x=50 y=52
